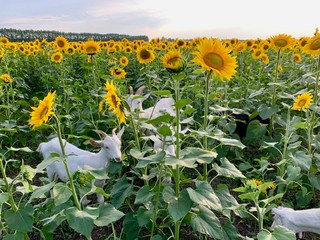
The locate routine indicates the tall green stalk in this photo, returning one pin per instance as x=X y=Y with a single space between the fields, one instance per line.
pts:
x=205 y=121
x=177 y=170
x=73 y=189
x=274 y=93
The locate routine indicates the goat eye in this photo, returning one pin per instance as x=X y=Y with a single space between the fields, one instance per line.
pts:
x=106 y=147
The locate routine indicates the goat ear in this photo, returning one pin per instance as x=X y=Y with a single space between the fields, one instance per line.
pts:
x=131 y=90
x=96 y=143
x=103 y=134
x=140 y=90
x=119 y=134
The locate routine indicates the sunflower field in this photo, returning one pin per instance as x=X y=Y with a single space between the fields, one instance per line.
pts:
x=242 y=138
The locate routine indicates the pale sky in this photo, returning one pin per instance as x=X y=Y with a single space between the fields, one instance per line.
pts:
x=185 y=19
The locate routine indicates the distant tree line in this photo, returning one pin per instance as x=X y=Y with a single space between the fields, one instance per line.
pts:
x=16 y=35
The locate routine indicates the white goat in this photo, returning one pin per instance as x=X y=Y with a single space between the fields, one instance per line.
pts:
x=163 y=106
x=298 y=221
x=78 y=158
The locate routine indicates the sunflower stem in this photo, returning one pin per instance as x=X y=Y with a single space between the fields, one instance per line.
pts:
x=65 y=162
x=205 y=121
x=274 y=93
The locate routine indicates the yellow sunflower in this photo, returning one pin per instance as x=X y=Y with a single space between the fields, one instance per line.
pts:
x=264 y=58
x=91 y=47
x=124 y=61
x=296 y=57
x=117 y=72
x=61 y=42
x=213 y=56
x=144 y=55
x=56 y=57
x=240 y=47
x=303 y=101
x=4 y=40
x=172 y=60
x=282 y=41
x=6 y=78
x=42 y=113
x=313 y=46
x=114 y=101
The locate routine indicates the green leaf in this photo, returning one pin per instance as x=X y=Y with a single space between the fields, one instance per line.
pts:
x=206 y=222
x=205 y=196
x=143 y=195
x=156 y=158
x=144 y=216
x=168 y=194
x=227 y=200
x=120 y=191
x=182 y=102
x=314 y=180
x=165 y=118
x=164 y=131
x=230 y=232
x=300 y=159
x=24 y=149
x=15 y=236
x=80 y=221
x=179 y=207
x=227 y=169
x=228 y=141
x=178 y=77
x=198 y=154
x=162 y=93
x=131 y=226
x=294 y=173
x=20 y=220
x=279 y=233
x=61 y=193
x=107 y=215
x=41 y=190
x=266 y=112
x=4 y=197
x=48 y=161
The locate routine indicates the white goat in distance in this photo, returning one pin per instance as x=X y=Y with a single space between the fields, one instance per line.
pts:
x=298 y=221
x=78 y=158
x=163 y=106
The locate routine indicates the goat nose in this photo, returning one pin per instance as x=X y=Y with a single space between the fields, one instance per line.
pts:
x=118 y=159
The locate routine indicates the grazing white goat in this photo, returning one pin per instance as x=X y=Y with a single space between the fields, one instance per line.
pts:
x=298 y=221
x=163 y=106
x=78 y=158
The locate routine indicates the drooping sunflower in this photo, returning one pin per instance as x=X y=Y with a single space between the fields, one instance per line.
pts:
x=282 y=41
x=313 y=46
x=114 y=101
x=56 y=57
x=212 y=55
x=264 y=58
x=91 y=48
x=296 y=57
x=124 y=61
x=256 y=54
x=62 y=42
x=145 y=55
x=6 y=78
x=4 y=40
x=42 y=113
x=117 y=72
x=172 y=60
x=303 y=101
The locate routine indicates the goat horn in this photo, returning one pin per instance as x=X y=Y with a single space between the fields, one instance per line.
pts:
x=103 y=134
x=140 y=90
x=131 y=90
